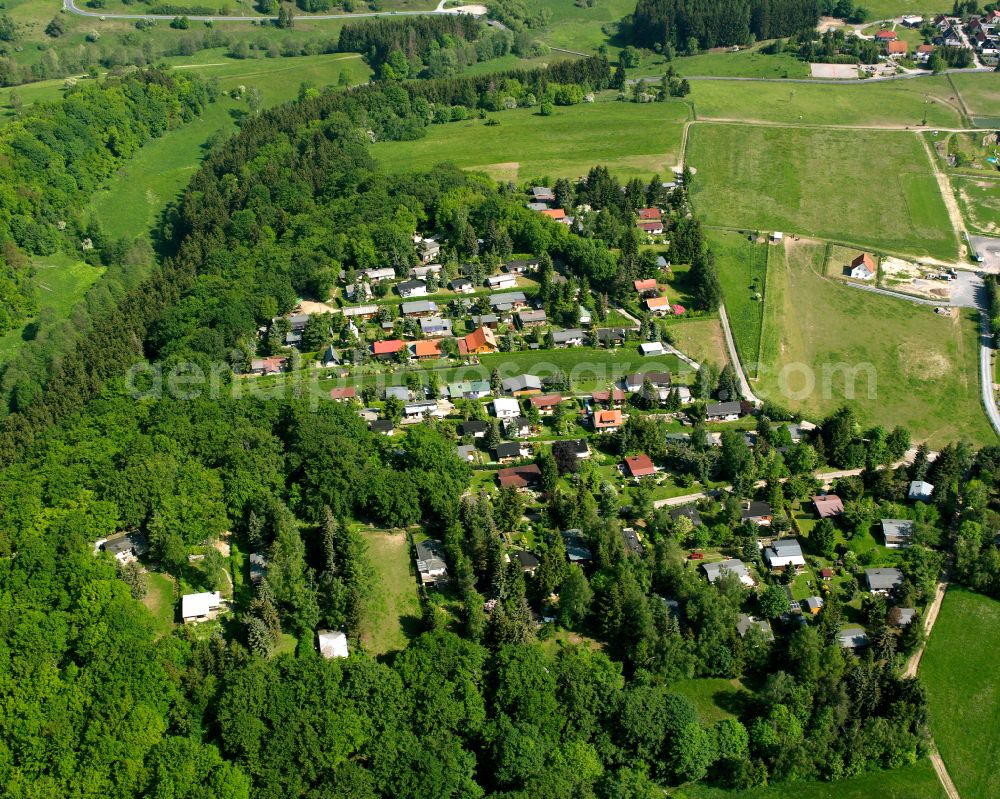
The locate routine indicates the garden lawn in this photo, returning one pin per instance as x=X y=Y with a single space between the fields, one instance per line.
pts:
x=871 y=188
x=714 y=698
x=630 y=139
x=979 y=199
x=909 y=782
x=392 y=614
x=742 y=266
x=159 y=601
x=958 y=669
x=890 y=104
x=893 y=361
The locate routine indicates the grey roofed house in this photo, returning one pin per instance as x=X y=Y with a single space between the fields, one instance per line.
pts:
x=460 y=284
x=755 y=510
x=508 y=299
x=813 y=604
x=853 y=638
x=382 y=273
x=531 y=316
x=418 y=307
x=402 y=393
x=883 y=579
x=904 y=616
x=430 y=562
x=538 y=206
x=662 y=262
x=526 y=560
x=632 y=542
x=293 y=338
x=383 y=427
x=490 y=320
x=507 y=449
x=473 y=427
x=897 y=533
x=678 y=438
x=522 y=383
x=572 y=335
x=745 y=623
x=688 y=511
x=585 y=316
x=410 y=287
x=125 y=548
x=466 y=452
x=330 y=356
x=920 y=490
x=722 y=410
x=297 y=322
x=577 y=550
x=782 y=552
x=360 y=310
x=542 y=194
x=258 y=567
x=435 y=326
x=713 y=571
x=517 y=427
x=610 y=335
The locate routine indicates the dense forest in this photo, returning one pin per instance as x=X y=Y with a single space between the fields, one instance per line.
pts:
x=687 y=26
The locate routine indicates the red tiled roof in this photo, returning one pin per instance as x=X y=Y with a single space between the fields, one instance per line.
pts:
x=925 y=48
x=645 y=285
x=650 y=227
x=886 y=36
x=546 y=400
x=828 y=505
x=865 y=259
x=481 y=337
x=554 y=213
x=427 y=349
x=519 y=476
x=639 y=465
x=602 y=396
x=387 y=347
x=607 y=419
x=649 y=213
x=657 y=302
x=897 y=48
x=343 y=393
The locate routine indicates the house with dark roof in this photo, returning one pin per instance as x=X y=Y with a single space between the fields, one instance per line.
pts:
x=384 y=427
x=883 y=581
x=522 y=385
x=784 y=552
x=125 y=548
x=576 y=547
x=724 y=411
x=756 y=511
x=519 y=476
x=419 y=308
x=570 y=337
x=473 y=427
x=412 y=288
x=633 y=544
x=517 y=427
x=690 y=512
x=431 y=565
x=531 y=317
x=611 y=336
x=526 y=560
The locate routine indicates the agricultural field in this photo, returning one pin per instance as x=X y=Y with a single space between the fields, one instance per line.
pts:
x=827 y=343
x=958 y=670
x=742 y=266
x=786 y=171
x=526 y=145
x=979 y=199
x=889 y=9
x=909 y=782
x=393 y=613
x=908 y=103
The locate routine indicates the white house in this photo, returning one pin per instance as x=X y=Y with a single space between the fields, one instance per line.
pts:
x=713 y=571
x=506 y=408
x=920 y=490
x=331 y=643
x=782 y=552
x=651 y=348
x=863 y=267
x=200 y=607
x=501 y=281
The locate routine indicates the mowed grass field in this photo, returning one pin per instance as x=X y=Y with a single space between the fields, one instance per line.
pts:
x=749 y=63
x=826 y=344
x=909 y=782
x=393 y=612
x=630 y=139
x=980 y=91
x=700 y=339
x=872 y=188
x=893 y=104
x=958 y=669
x=979 y=199
x=742 y=266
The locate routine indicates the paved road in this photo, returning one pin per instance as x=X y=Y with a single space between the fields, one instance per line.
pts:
x=986 y=350
x=73 y=8
x=734 y=358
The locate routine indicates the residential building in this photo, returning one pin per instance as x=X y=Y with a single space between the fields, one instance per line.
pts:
x=632 y=542
x=127 y=548
x=828 y=506
x=424 y=272
x=923 y=52
x=576 y=547
x=428 y=250
x=383 y=427
x=658 y=305
x=616 y=396
x=519 y=476
x=651 y=228
x=344 y=394
x=331 y=357
x=258 y=567
x=713 y=571
x=607 y=421
x=508 y=302
x=506 y=408
x=639 y=466
x=920 y=490
x=472 y=427
x=651 y=348
x=522 y=385
x=431 y=564
x=466 y=452
x=419 y=308
x=757 y=512
x=882 y=581
x=635 y=381
x=388 y=348
x=200 y=607
x=897 y=47
x=402 y=393
x=543 y=194
x=360 y=311
x=470 y=389
x=546 y=403
x=688 y=511
x=380 y=274
x=426 y=349
x=784 y=552
x=853 y=638
x=862 y=268
x=504 y=281
x=745 y=623
x=268 y=366
x=508 y=451
x=646 y=287
x=490 y=320
x=885 y=36
x=331 y=643
x=611 y=336
x=412 y=288
x=897 y=533
x=461 y=285
x=526 y=560
x=724 y=411
x=531 y=317
x=570 y=337
x=517 y=427
x=812 y=605
x=435 y=326
x=479 y=342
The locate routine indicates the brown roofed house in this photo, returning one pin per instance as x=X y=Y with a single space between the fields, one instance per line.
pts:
x=479 y=341
x=519 y=476
x=639 y=465
x=828 y=506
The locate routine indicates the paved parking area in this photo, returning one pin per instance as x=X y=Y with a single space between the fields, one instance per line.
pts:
x=965 y=290
x=989 y=249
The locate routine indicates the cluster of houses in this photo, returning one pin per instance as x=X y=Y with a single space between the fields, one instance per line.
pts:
x=981 y=32
x=652 y=296
x=542 y=199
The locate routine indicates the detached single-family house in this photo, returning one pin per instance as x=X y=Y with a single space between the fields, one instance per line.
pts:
x=912 y=20
x=923 y=52
x=530 y=317
x=632 y=542
x=542 y=194
x=882 y=581
x=635 y=381
x=519 y=476
x=472 y=427
x=506 y=408
x=258 y=567
x=546 y=403
x=757 y=512
x=431 y=565
x=380 y=274
x=607 y=421
x=577 y=550
x=490 y=320
x=526 y=560
x=507 y=451
x=639 y=466
x=388 y=348
x=331 y=643
x=522 y=385
x=412 y=288
x=828 y=506
x=614 y=396
x=331 y=357
x=812 y=605
x=417 y=411
x=461 y=285
x=509 y=302
x=435 y=326
x=344 y=394
x=690 y=512
x=200 y=607
x=428 y=250
x=745 y=623
x=556 y=214
x=646 y=287
x=466 y=452
x=419 y=308
x=853 y=638
x=570 y=337
x=897 y=533
x=648 y=214
x=658 y=305
x=382 y=427
x=426 y=349
x=360 y=311
x=713 y=571
x=479 y=342
x=504 y=281
x=651 y=348
x=652 y=228
x=402 y=393
x=424 y=272
x=517 y=427
x=784 y=552
x=885 y=36
x=470 y=389
x=896 y=47
x=538 y=206
x=580 y=448
x=724 y=411
x=611 y=336
x=920 y=490
x=125 y=548
x=268 y=366
x=862 y=268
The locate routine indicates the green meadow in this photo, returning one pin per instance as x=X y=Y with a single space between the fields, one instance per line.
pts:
x=742 y=266
x=979 y=199
x=393 y=614
x=872 y=188
x=980 y=91
x=628 y=138
x=958 y=669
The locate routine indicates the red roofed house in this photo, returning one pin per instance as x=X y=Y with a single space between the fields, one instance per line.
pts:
x=885 y=36
x=649 y=214
x=617 y=396
x=862 y=268
x=388 y=348
x=519 y=476
x=658 y=305
x=896 y=47
x=643 y=286
x=607 y=421
x=639 y=465
x=427 y=348
x=924 y=52
x=546 y=403
x=268 y=366
x=554 y=213
x=480 y=341
x=828 y=506
x=341 y=394
x=652 y=228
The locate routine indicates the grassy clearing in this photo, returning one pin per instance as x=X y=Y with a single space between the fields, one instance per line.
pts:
x=786 y=173
x=894 y=362
x=746 y=64
x=742 y=268
x=159 y=601
x=981 y=93
x=577 y=27
x=889 y=9
x=979 y=200
x=700 y=339
x=910 y=782
x=894 y=104
x=61 y=281
x=526 y=145
x=394 y=611
x=959 y=672
x=714 y=698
